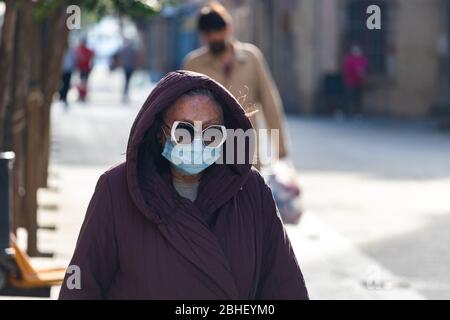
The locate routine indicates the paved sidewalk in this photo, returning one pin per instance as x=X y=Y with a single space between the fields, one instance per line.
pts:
x=335 y=269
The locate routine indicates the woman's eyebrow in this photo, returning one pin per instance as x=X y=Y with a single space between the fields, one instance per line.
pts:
x=217 y=120
x=187 y=121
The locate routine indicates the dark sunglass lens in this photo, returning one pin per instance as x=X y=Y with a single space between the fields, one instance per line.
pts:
x=184 y=133
x=213 y=136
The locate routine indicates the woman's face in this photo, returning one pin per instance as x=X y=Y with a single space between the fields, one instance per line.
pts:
x=199 y=110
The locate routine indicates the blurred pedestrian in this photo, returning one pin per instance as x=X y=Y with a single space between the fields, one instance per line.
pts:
x=172 y=223
x=68 y=68
x=127 y=59
x=84 y=58
x=238 y=66
x=355 y=78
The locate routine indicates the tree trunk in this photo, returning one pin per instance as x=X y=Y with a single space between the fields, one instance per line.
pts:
x=31 y=55
x=55 y=47
x=6 y=63
x=25 y=195
x=21 y=70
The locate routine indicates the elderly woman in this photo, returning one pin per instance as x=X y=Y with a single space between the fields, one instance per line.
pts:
x=176 y=224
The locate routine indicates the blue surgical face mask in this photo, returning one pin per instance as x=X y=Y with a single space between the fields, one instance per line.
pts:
x=191 y=159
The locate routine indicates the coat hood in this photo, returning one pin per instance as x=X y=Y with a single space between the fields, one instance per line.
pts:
x=153 y=192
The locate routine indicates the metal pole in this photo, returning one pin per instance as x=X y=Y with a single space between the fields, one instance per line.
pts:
x=6 y=164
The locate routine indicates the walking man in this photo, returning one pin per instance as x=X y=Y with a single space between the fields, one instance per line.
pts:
x=239 y=67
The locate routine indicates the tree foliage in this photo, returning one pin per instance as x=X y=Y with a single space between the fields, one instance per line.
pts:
x=99 y=8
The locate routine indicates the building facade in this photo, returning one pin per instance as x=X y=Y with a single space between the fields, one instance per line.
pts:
x=304 y=42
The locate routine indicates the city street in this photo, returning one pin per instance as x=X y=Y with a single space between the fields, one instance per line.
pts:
x=383 y=187
x=375 y=193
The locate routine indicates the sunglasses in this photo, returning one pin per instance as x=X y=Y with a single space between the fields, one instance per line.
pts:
x=183 y=132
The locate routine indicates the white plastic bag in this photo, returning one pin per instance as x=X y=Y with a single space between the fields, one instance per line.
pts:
x=282 y=180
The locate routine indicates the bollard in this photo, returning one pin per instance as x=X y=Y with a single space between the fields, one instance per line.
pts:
x=6 y=164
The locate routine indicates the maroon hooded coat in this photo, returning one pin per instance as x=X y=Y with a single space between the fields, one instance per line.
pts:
x=141 y=240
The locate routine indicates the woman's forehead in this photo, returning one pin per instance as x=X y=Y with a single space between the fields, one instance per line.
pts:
x=195 y=108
